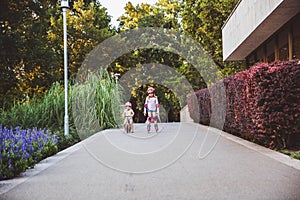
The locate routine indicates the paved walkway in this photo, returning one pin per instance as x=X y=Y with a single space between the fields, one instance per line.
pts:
x=183 y=161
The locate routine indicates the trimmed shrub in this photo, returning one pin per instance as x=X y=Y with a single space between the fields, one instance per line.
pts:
x=200 y=109
x=261 y=104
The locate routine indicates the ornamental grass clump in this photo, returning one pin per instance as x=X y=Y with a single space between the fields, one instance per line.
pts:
x=22 y=148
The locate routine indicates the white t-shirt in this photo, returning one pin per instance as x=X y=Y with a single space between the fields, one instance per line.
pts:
x=128 y=113
x=151 y=104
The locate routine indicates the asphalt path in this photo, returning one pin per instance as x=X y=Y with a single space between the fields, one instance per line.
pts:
x=181 y=161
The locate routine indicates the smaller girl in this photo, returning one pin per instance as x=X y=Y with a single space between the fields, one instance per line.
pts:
x=151 y=106
x=128 y=115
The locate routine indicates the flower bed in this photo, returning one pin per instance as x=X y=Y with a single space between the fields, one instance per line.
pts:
x=262 y=104
x=21 y=149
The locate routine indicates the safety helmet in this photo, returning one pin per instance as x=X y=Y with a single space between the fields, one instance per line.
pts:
x=150 y=90
x=128 y=104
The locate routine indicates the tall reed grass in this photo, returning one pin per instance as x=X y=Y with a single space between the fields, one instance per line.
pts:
x=48 y=112
x=96 y=105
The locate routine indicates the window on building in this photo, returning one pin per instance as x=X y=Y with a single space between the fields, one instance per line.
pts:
x=271 y=50
x=251 y=59
x=296 y=39
x=271 y=57
x=283 y=44
x=260 y=54
x=277 y=46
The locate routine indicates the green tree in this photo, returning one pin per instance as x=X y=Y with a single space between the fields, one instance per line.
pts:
x=24 y=48
x=87 y=24
x=164 y=14
x=203 y=20
x=31 y=46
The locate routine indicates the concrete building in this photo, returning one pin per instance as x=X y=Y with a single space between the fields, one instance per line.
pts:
x=262 y=31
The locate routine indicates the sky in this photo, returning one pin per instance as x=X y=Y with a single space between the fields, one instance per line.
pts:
x=115 y=8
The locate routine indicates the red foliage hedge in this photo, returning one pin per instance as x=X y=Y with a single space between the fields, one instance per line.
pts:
x=260 y=104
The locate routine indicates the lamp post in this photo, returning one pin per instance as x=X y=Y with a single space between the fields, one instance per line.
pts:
x=64 y=6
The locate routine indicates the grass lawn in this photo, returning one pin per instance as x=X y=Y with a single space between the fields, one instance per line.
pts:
x=292 y=153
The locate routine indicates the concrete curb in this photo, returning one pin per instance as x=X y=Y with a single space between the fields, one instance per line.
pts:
x=285 y=159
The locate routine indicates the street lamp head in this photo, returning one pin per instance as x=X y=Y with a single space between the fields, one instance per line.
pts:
x=115 y=75
x=64 y=4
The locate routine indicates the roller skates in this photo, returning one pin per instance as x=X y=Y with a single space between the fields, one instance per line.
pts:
x=149 y=125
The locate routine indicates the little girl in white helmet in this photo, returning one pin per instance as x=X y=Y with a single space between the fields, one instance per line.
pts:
x=151 y=106
x=128 y=115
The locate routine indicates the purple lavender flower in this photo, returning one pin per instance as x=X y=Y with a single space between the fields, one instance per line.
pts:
x=23 y=146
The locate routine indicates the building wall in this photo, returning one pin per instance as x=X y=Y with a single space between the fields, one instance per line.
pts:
x=252 y=23
x=185 y=115
x=282 y=45
x=247 y=16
